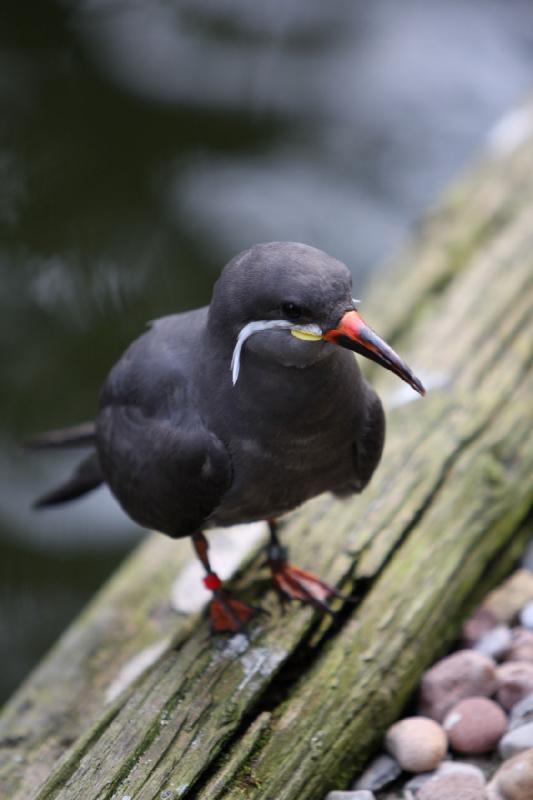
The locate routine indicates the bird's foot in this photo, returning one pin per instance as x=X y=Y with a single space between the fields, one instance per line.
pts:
x=227 y=613
x=297 y=584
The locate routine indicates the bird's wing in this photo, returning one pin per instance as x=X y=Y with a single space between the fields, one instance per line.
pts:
x=167 y=477
x=369 y=447
x=163 y=464
x=368 y=444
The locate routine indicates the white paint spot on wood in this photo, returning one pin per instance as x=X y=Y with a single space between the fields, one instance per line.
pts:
x=510 y=132
x=236 y=646
x=260 y=662
x=404 y=394
x=135 y=667
x=228 y=547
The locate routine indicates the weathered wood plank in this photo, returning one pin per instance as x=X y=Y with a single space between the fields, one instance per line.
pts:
x=66 y=694
x=237 y=772
x=360 y=683
x=445 y=506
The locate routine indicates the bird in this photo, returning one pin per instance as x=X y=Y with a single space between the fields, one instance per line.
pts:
x=241 y=411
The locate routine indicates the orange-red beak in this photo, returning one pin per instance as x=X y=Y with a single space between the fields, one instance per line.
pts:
x=353 y=333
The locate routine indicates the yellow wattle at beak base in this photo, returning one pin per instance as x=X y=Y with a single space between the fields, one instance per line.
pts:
x=306 y=335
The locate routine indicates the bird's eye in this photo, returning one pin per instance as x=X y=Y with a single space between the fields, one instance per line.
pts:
x=292 y=311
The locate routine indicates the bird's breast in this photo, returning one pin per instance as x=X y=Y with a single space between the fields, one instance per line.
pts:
x=273 y=474
x=290 y=435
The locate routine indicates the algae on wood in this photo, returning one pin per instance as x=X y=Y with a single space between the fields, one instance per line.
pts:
x=293 y=713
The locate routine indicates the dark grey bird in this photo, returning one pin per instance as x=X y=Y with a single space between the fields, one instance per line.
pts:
x=241 y=411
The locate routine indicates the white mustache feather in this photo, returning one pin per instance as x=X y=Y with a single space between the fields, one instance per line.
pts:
x=263 y=325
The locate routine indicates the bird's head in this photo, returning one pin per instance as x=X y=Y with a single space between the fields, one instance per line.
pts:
x=291 y=303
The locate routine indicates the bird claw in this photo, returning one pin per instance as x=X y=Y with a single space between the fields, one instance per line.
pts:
x=297 y=584
x=230 y=615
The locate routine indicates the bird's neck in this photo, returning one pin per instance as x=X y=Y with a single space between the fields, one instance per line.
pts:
x=287 y=397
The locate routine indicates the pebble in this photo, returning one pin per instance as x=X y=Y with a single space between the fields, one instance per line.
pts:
x=413 y=786
x=415 y=783
x=526 y=616
x=514 y=779
x=381 y=771
x=509 y=599
x=515 y=681
x=453 y=767
x=446 y=768
x=359 y=795
x=495 y=643
x=465 y=673
x=480 y=623
x=522 y=712
x=417 y=743
x=455 y=785
x=516 y=741
x=475 y=725
x=521 y=647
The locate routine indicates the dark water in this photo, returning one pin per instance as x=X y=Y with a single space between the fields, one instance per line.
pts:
x=143 y=144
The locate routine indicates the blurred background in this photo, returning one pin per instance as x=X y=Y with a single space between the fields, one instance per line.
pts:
x=144 y=144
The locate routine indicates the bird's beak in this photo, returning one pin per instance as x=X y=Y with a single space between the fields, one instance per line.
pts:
x=353 y=333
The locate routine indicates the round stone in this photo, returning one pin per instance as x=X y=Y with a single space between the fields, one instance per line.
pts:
x=453 y=767
x=521 y=646
x=514 y=779
x=515 y=681
x=516 y=741
x=495 y=643
x=526 y=615
x=415 y=783
x=454 y=785
x=417 y=743
x=522 y=712
x=446 y=768
x=475 y=725
x=511 y=596
x=381 y=771
x=465 y=673
x=481 y=621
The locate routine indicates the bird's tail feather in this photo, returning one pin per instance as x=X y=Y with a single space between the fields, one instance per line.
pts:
x=75 y=436
x=86 y=477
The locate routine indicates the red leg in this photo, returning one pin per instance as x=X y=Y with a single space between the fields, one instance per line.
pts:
x=227 y=614
x=296 y=583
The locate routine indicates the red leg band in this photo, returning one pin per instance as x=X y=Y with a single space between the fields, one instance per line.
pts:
x=212 y=582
